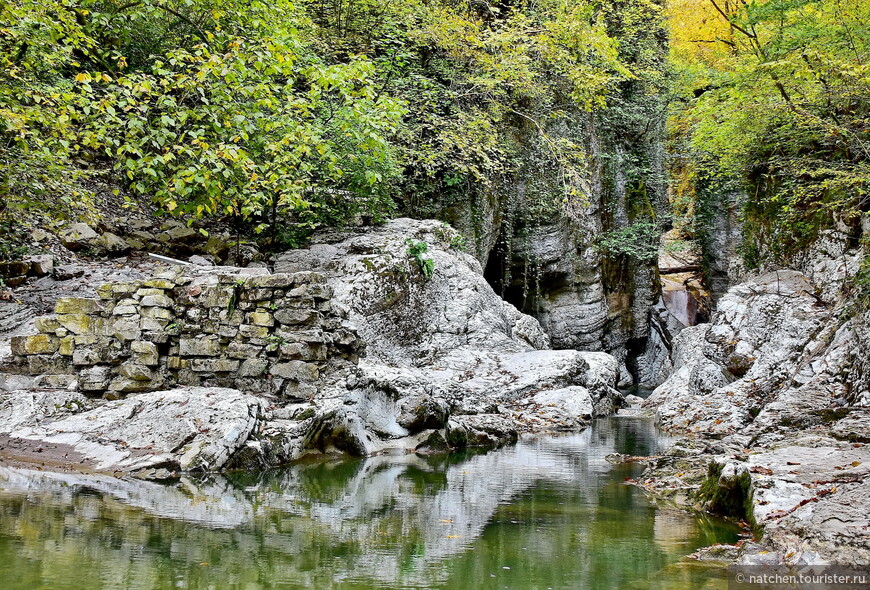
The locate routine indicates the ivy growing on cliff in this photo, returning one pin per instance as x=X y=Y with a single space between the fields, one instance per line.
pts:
x=638 y=241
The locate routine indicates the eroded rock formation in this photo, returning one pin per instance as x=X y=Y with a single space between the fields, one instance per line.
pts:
x=449 y=363
x=772 y=397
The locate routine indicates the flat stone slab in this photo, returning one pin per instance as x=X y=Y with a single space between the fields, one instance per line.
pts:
x=186 y=429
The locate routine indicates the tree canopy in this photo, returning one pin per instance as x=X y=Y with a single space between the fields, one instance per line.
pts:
x=773 y=102
x=321 y=109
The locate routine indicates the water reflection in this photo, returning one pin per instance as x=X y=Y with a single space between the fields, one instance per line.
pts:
x=548 y=512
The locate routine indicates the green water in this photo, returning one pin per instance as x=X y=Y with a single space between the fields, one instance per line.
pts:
x=546 y=513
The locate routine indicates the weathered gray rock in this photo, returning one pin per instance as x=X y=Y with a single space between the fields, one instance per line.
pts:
x=481 y=430
x=575 y=400
x=95 y=378
x=42 y=264
x=201 y=260
x=29 y=408
x=557 y=271
x=404 y=318
x=78 y=236
x=200 y=346
x=444 y=349
x=772 y=392
x=113 y=243
x=182 y=430
x=810 y=495
x=754 y=344
x=65 y=272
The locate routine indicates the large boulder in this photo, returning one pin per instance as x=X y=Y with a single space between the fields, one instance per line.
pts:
x=446 y=346
x=403 y=316
x=810 y=495
x=78 y=236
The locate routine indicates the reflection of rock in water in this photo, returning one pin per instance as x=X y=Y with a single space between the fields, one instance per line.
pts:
x=212 y=503
x=390 y=518
x=382 y=499
x=673 y=529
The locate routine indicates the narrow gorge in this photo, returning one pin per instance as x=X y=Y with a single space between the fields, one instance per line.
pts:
x=379 y=294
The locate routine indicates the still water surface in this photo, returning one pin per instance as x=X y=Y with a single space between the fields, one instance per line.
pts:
x=546 y=513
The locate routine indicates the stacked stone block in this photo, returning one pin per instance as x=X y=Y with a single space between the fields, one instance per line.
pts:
x=270 y=334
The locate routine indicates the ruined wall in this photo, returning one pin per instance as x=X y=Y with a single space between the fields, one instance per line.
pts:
x=269 y=334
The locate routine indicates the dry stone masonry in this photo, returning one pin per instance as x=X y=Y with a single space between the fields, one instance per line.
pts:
x=271 y=334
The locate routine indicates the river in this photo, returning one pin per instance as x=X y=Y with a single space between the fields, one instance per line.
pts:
x=548 y=512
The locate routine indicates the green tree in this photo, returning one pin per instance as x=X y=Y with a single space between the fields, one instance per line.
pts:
x=231 y=112
x=775 y=98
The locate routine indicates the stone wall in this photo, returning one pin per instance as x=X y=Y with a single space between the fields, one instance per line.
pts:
x=269 y=334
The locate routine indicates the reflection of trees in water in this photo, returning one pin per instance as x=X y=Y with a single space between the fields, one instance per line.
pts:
x=552 y=507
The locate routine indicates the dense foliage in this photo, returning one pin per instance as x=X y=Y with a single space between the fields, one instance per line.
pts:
x=283 y=116
x=315 y=112
x=775 y=106
x=214 y=107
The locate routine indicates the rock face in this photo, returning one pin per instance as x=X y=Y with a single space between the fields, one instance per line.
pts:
x=554 y=272
x=762 y=339
x=404 y=317
x=189 y=429
x=445 y=348
x=539 y=245
x=724 y=265
x=773 y=396
x=811 y=496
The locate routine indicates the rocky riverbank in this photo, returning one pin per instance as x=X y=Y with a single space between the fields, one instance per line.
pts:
x=772 y=400
x=347 y=347
x=390 y=338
